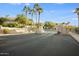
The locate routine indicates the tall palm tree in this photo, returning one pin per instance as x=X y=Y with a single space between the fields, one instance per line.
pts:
x=77 y=12
x=26 y=9
x=32 y=13
x=40 y=10
x=36 y=7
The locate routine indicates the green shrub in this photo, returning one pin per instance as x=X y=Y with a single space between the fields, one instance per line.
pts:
x=3 y=19
x=10 y=25
x=5 y=25
x=6 y=31
x=20 y=26
x=77 y=30
x=69 y=28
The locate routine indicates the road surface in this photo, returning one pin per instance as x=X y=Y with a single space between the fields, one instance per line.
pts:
x=44 y=44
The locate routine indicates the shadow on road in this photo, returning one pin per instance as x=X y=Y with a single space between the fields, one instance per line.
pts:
x=39 y=44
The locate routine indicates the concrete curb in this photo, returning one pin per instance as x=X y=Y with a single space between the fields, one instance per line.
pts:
x=75 y=36
x=13 y=34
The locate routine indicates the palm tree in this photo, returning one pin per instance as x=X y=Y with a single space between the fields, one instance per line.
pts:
x=40 y=10
x=31 y=12
x=36 y=7
x=26 y=9
x=77 y=12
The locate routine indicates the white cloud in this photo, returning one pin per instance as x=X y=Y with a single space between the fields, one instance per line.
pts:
x=59 y=3
x=15 y=3
x=49 y=12
x=27 y=4
x=73 y=10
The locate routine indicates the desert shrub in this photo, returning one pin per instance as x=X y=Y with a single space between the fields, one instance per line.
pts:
x=6 y=31
x=20 y=26
x=3 y=19
x=5 y=25
x=77 y=30
x=49 y=25
x=10 y=25
x=69 y=28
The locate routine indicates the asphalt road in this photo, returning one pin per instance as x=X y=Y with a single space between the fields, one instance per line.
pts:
x=44 y=44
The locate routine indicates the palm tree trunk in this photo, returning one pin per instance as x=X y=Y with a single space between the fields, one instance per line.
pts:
x=78 y=20
x=39 y=21
x=32 y=18
x=36 y=19
x=26 y=14
x=36 y=23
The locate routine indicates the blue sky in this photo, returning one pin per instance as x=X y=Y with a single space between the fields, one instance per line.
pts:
x=55 y=12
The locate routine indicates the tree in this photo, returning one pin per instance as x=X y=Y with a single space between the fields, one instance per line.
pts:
x=36 y=7
x=32 y=13
x=49 y=25
x=30 y=21
x=77 y=12
x=21 y=19
x=26 y=9
x=40 y=10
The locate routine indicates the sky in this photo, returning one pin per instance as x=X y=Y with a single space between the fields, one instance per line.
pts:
x=55 y=12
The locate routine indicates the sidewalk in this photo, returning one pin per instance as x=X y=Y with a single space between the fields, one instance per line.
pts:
x=75 y=36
